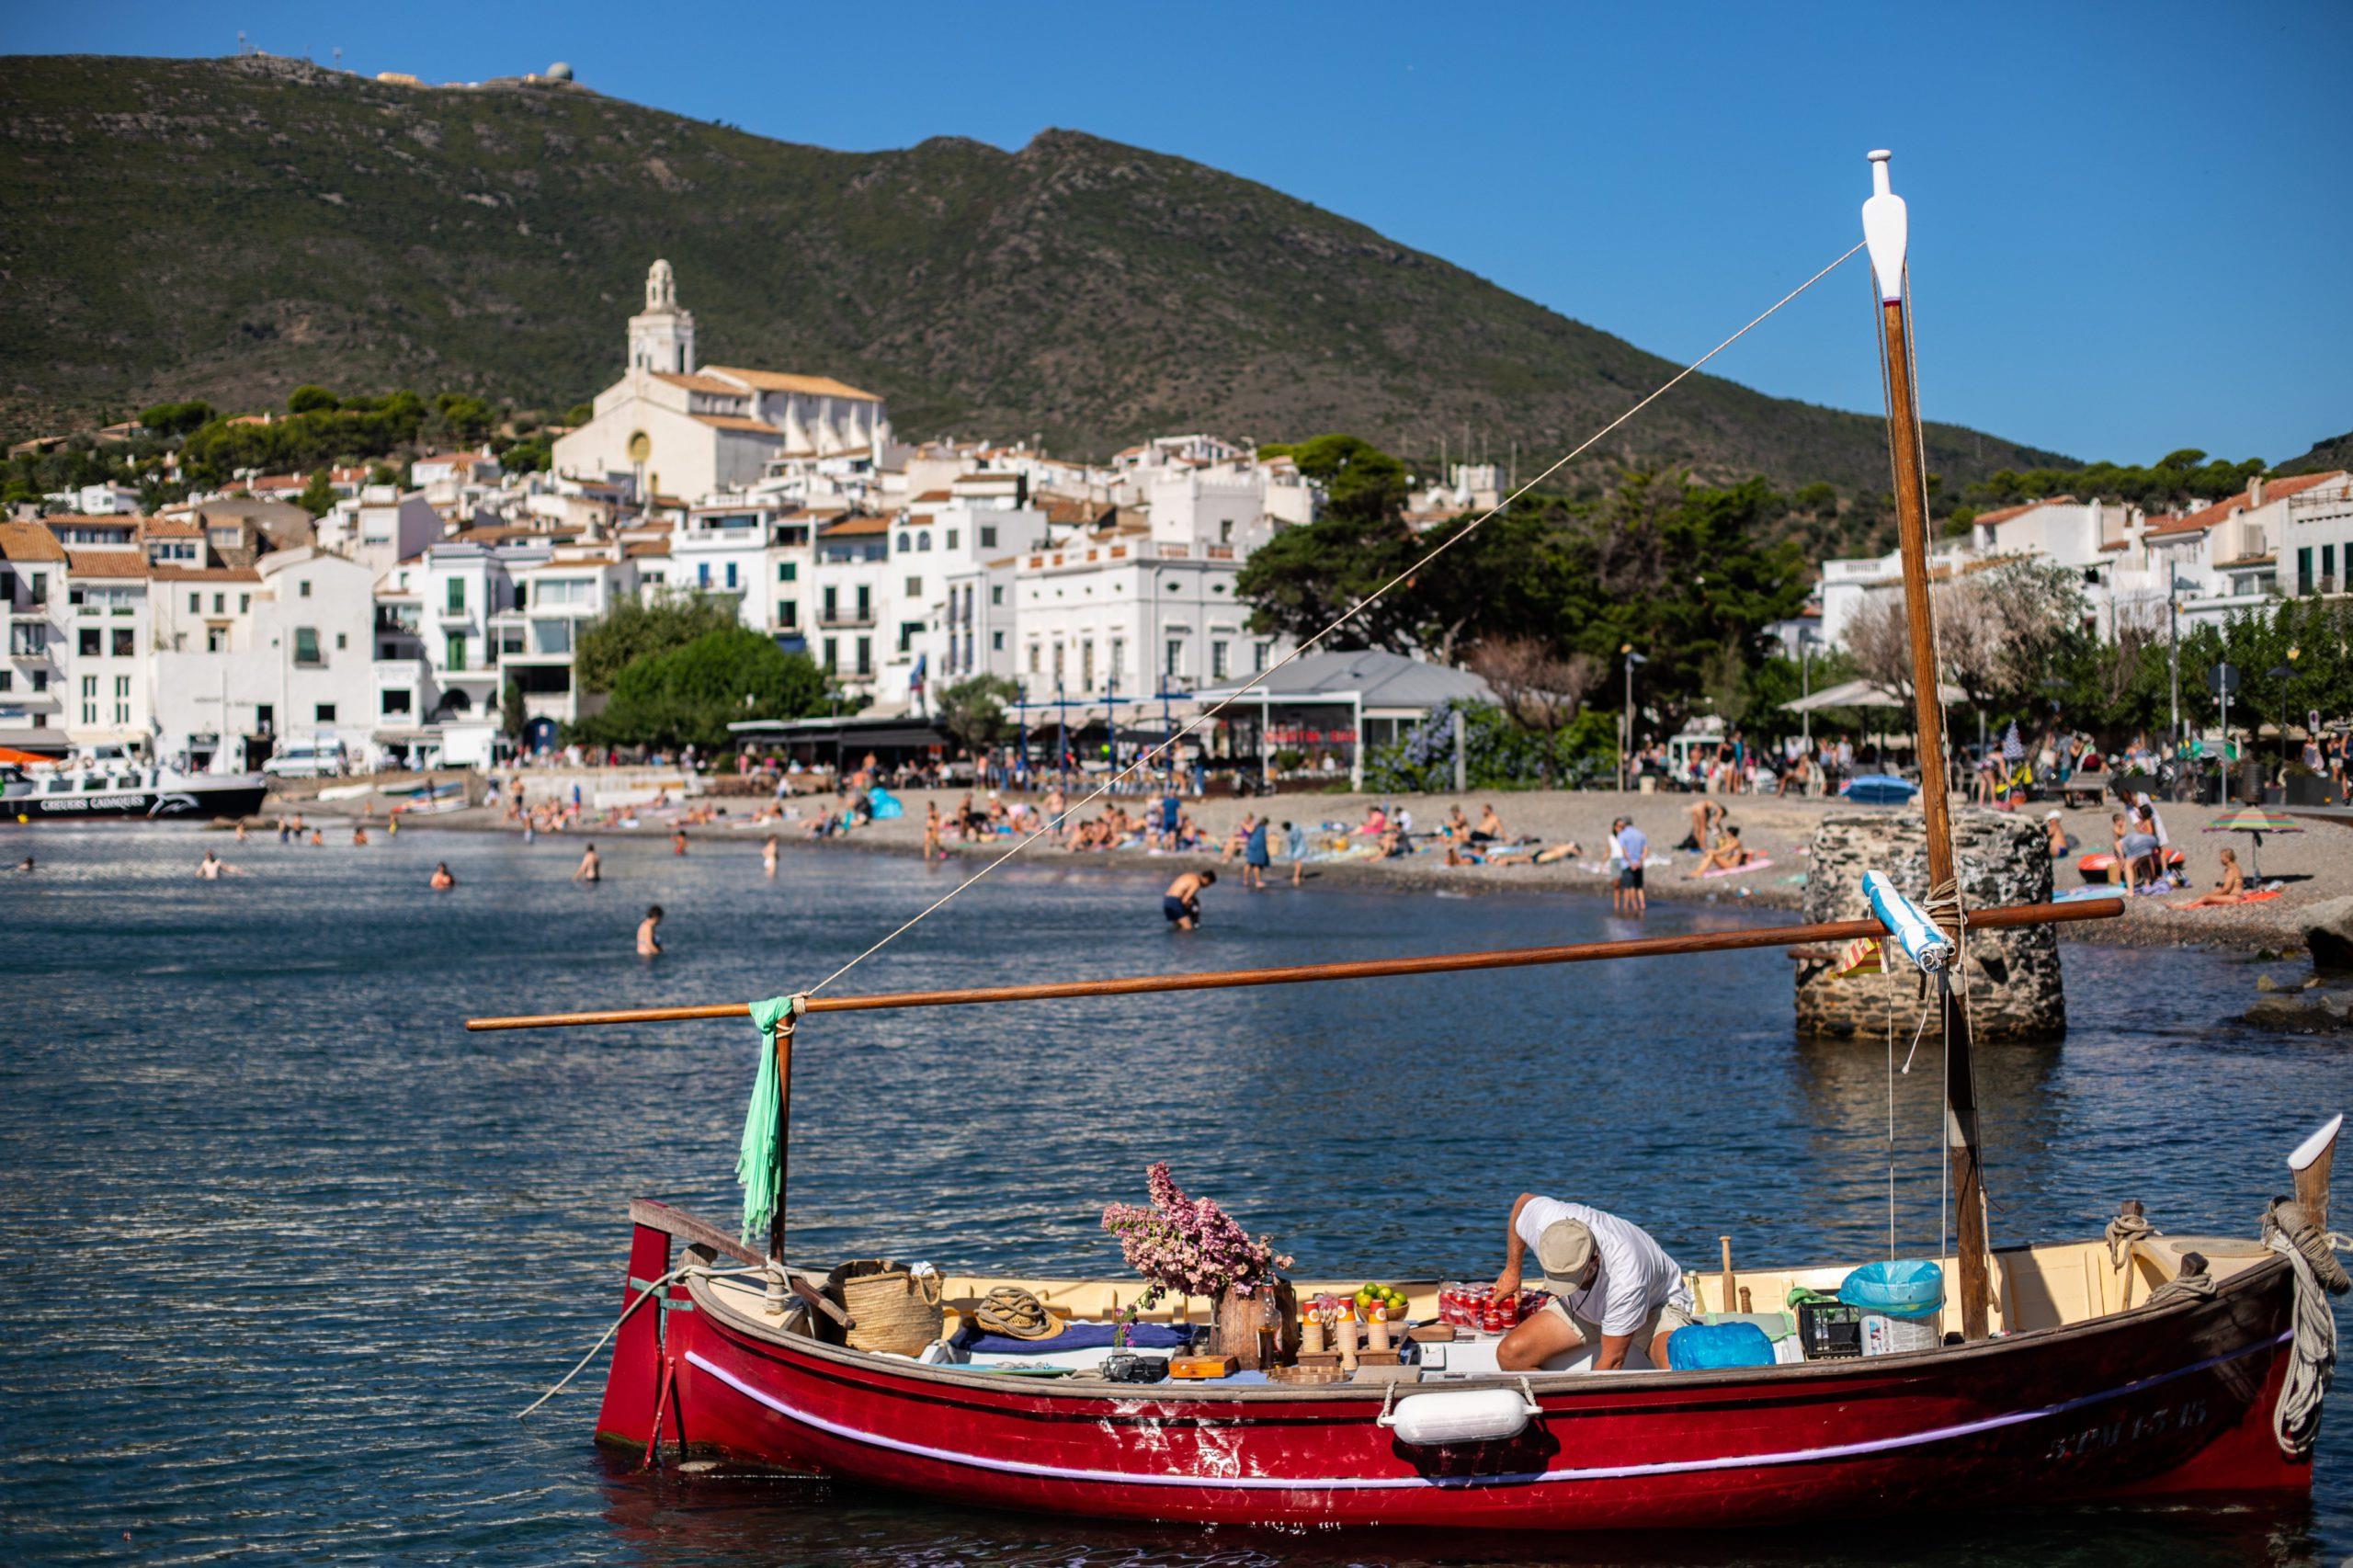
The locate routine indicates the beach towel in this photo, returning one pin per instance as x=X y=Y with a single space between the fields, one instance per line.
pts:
x=1758 y=864
x=1860 y=956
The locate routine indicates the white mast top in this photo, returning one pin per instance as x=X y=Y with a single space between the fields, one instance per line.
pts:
x=1886 y=231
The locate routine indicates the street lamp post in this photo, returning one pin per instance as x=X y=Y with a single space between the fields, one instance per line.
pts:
x=1626 y=736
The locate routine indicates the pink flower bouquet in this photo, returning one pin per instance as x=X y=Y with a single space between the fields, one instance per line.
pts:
x=1187 y=1244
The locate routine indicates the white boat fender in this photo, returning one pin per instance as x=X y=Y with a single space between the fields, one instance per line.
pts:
x=1462 y=1416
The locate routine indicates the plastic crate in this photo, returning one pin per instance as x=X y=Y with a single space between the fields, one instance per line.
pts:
x=1830 y=1331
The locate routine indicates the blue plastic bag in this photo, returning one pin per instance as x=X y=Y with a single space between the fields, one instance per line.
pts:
x=1910 y=1287
x=1708 y=1345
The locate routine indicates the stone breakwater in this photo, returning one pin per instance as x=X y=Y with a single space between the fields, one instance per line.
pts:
x=2012 y=976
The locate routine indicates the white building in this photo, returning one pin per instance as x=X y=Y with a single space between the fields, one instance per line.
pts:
x=2316 y=532
x=669 y=428
x=256 y=656
x=940 y=552
x=34 y=616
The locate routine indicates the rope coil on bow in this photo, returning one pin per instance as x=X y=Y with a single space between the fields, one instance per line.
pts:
x=2312 y=1253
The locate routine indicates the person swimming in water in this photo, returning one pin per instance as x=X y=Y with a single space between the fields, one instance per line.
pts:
x=591 y=868
x=443 y=880
x=649 y=944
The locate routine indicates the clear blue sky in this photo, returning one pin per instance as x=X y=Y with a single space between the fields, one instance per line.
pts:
x=2130 y=231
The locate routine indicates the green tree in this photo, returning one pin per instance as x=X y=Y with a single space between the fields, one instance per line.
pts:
x=579 y=414
x=973 y=710
x=177 y=418
x=634 y=629
x=690 y=694
x=312 y=398
x=1361 y=482
x=514 y=718
x=318 y=497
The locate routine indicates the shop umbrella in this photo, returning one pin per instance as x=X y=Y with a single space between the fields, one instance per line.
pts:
x=2255 y=821
x=15 y=758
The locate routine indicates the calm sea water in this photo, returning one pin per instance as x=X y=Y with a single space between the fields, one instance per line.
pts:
x=289 y=1249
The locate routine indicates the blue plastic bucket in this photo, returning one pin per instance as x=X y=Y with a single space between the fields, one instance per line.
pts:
x=1906 y=1288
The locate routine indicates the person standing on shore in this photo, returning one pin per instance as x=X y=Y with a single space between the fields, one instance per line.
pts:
x=590 y=870
x=1255 y=859
x=1628 y=846
x=649 y=944
x=932 y=849
x=1295 y=846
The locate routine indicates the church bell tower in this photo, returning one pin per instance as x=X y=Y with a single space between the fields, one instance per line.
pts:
x=662 y=337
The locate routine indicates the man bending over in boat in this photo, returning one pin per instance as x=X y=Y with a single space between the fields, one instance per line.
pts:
x=1612 y=1286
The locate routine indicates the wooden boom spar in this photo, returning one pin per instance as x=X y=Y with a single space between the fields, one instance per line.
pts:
x=1364 y=969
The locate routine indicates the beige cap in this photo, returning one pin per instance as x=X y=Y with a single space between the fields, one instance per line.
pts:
x=1564 y=1251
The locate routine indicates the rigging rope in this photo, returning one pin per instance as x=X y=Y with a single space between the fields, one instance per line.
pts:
x=1144 y=762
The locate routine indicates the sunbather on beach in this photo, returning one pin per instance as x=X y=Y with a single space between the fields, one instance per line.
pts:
x=1729 y=855
x=1490 y=829
x=2136 y=852
x=2231 y=888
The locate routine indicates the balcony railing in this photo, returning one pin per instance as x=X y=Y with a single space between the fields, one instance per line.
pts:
x=846 y=621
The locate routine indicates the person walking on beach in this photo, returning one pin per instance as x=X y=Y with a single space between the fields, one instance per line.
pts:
x=1295 y=846
x=1628 y=846
x=590 y=870
x=1182 y=903
x=1255 y=860
x=443 y=880
x=767 y=856
x=649 y=945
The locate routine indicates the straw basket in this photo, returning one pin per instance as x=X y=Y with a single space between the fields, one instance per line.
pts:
x=890 y=1309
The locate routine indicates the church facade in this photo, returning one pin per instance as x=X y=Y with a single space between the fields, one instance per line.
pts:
x=672 y=427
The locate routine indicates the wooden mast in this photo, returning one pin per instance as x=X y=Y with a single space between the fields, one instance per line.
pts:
x=1886 y=231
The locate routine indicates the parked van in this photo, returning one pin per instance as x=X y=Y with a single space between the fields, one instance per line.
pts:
x=321 y=756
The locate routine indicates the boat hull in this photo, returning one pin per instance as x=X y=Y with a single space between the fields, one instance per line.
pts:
x=2172 y=1402
x=168 y=804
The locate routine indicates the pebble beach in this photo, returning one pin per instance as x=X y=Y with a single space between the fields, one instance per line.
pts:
x=2311 y=866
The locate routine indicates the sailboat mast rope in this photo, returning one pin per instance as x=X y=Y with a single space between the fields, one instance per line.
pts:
x=1144 y=760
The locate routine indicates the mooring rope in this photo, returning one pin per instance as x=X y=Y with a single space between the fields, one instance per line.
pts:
x=639 y=1301
x=2312 y=1365
x=1144 y=761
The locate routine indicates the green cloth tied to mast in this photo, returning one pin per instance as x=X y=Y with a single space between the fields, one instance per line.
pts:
x=762 y=1151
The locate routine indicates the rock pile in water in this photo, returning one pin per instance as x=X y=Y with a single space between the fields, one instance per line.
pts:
x=2013 y=975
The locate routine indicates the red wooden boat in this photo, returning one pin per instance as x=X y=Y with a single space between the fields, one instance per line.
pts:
x=2128 y=1366
x=2173 y=1400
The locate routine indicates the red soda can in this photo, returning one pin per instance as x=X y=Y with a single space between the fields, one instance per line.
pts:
x=1510 y=1310
x=1492 y=1319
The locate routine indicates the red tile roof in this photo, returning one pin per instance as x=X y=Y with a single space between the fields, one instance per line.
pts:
x=2273 y=490
x=106 y=563
x=855 y=527
x=2007 y=513
x=28 y=541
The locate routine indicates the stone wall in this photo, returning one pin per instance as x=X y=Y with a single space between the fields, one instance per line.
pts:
x=2014 y=990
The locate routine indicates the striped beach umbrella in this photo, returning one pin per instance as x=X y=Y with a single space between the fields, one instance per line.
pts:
x=2255 y=821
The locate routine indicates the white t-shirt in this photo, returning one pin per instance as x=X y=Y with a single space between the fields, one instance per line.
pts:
x=1636 y=1273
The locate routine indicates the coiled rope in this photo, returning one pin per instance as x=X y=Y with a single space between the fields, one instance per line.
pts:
x=2312 y=1366
x=1144 y=762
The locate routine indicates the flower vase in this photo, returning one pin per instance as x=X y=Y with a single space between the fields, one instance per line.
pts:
x=1234 y=1327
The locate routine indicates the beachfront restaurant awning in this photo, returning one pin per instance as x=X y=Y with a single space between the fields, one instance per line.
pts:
x=852 y=732
x=1368 y=683
x=1868 y=694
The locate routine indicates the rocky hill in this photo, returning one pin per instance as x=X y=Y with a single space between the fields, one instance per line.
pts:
x=229 y=229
